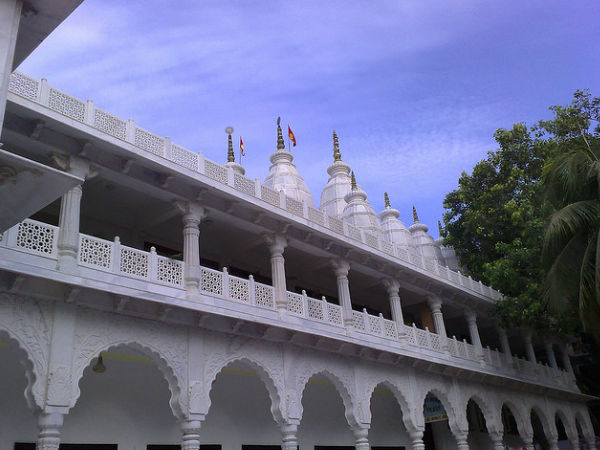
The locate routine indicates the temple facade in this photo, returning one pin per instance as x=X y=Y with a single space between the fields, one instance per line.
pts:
x=151 y=298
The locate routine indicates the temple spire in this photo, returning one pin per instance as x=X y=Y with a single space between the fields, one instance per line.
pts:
x=386 y=200
x=337 y=156
x=230 y=154
x=353 y=181
x=280 y=142
x=415 y=216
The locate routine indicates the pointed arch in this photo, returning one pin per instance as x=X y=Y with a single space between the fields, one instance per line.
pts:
x=155 y=355
x=523 y=422
x=16 y=345
x=264 y=375
x=568 y=425
x=454 y=420
x=547 y=427
x=400 y=399
x=493 y=420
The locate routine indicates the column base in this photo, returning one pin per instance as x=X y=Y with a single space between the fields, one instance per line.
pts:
x=190 y=430
x=289 y=441
x=361 y=436
x=49 y=425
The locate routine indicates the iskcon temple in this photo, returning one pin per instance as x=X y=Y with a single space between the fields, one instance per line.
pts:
x=153 y=299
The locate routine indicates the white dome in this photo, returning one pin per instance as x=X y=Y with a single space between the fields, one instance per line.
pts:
x=394 y=230
x=423 y=241
x=283 y=175
x=358 y=212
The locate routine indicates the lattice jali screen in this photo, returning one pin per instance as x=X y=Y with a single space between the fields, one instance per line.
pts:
x=95 y=252
x=184 y=157
x=316 y=216
x=374 y=324
x=336 y=225
x=212 y=281
x=243 y=184
x=410 y=334
x=371 y=240
x=134 y=262
x=269 y=195
x=149 y=142
x=435 y=342
x=36 y=237
x=421 y=337
x=239 y=289
x=215 y=171
x=295 y=304
x=354 y=232
x=386 y=247
x=389 y=329
x=23 y=85
x=110 y=124
x=294 y=206
x=263 y=295
x=66 y=105
x=169 y=271
x=315 y=309
x=358 y=320
x=334 y=314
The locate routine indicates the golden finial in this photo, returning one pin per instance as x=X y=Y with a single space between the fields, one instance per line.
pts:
x=353 y=181
x=386 y=199
x=337 y=156
x=280 y=143
x=440 y=229
x=230 y=155
x=415 y=216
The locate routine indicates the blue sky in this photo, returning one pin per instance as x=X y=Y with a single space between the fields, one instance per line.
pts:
x=414 y=89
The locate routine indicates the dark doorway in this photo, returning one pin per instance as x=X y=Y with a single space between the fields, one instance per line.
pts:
x=428 y=437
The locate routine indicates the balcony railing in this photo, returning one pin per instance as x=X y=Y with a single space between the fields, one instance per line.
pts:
x=126 y=131
x=37 y=238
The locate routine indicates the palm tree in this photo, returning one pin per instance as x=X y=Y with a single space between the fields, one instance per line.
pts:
x=571 y=252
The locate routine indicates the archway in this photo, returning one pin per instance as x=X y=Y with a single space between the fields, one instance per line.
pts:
x=478 y=429
x=437 y=433
x=324 y=422
x=539 y=436
x=561 y=430
x=126 y=404
x=388 y=430
x=17 y=421
x=240 y=414
x=510 y=425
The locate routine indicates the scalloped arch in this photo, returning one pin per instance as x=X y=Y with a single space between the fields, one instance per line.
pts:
x=491 y=419
x=451 y=411
x=400 y=398
x=547 y=427
x=264 y=375
x=22 y=354
x=153 y=353
x=569 y=425
x=524 y=426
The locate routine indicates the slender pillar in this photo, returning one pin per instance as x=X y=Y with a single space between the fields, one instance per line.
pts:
x=504 y=344
x=497 y=440
x=67 y=243
x=528 y=442
x=392 y=287
x=192 y=216
x=565 y=359
x=289 y=433
x=277 y=244
x=461 y=441
x=341 y=268
x=550 y=354
x=474 y=332
x=49 y=425
x=190 y=434
x=553 y=443
x=416 y=440
x=528 y=336
x=361 y=436
x=10 y=16
x=435 y=304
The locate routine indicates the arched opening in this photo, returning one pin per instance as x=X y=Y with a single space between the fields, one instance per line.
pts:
x=126 y=404
x=580 y=435
x=478 y=431
x=563 y=438
x=539 y=437
x=17 y=422
x=437 y=435
x=323 y=423
x=387 y=427
x=240 y=411
x=511 y=436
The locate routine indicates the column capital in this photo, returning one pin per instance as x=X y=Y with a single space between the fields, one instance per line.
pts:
x=470 y=316
x=391 y=285
x=276 y=242
x=74 y=165
x=341 y=267
x=192 y=211
x=434 y=303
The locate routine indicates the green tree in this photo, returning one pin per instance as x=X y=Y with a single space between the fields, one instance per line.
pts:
x=571 y=251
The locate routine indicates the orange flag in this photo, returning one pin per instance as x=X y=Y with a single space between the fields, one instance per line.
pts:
x=242 y=147
x=291 y=136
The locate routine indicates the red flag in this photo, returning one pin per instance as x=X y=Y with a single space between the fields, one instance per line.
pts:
x=291 y=136
x=242 y=147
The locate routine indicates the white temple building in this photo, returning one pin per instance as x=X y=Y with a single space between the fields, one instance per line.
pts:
x=151 y=298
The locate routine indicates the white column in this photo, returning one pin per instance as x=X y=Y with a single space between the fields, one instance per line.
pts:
x=528 y=442
x=289 y=435
x=10 y=15
x=49 y=425
x=553 y=443
x=504 y=344
x=277 y=244
x=192 y=216
x=474 y=332
x=67 y=243
x=528 y=336
x=550 y=354
x=497 y=440
x=341 y=267
x=392 y=287
x=435 y=305
x=190 y=434
x=461 y=441
x=361 y=437
x=416 y=440
x=565 y=359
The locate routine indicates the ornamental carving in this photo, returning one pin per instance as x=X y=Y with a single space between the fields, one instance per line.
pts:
x=59 y=386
